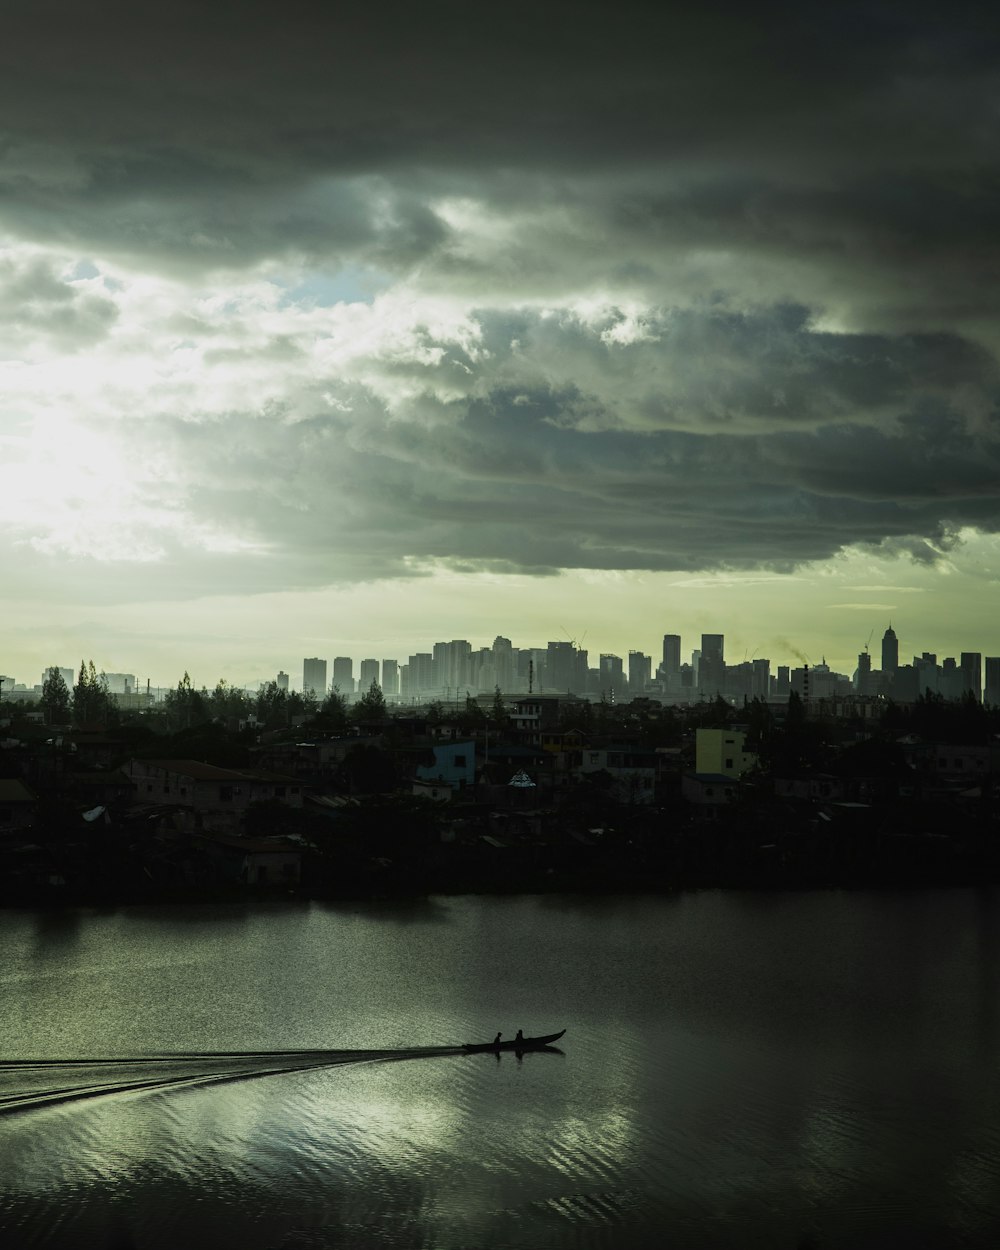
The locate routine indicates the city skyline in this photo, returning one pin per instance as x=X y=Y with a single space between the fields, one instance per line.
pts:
x=460 y=666
x=321 y=332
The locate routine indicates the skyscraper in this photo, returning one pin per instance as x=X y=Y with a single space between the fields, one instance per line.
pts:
x=712 y=665
x=390 y=677
x=863 y=679
x=639 y=671
x=971 y=663
x=503 y=663
x=314 y=677
x=560 y=667
x=671 y=653
x=993 y=680
x=890 y=651
x=281 y=681
x=343 y=674
x=367 y=674
x=612 y=674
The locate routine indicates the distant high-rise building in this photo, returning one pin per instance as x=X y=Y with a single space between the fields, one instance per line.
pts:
x=890 y=652
x=712 y=665
x=671 y=653
x=612 y=673
x=863 y=678
x=760 y=682
x=713 y=644
x=503 y=663
x=314 y=677
x=971 y=663
x=640 y=668
x=560 y=667
x=928 y=675
x=343 y=674
x=390 y=677
x=367 y=673
x=420 y=673
x=281 y=681
x=993 y=680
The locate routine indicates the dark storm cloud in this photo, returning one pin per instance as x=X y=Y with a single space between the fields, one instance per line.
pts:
x=200 y=115
x=515 y=472
x=753 y=178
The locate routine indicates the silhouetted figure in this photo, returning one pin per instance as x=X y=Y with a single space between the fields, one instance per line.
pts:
x=519 y=1037
x=496 y=1040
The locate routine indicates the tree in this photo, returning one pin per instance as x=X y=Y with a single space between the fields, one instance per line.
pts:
x=185 y=706
x=271 y=708
x=55 y=698
x=371 y=705
x=93 y=703
x=228 y=702
x=332 y=714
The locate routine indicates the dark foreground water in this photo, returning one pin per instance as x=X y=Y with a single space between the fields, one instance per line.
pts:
x=814 y=1070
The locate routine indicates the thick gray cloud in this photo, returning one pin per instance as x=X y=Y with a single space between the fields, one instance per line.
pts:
x=511 y=471
x=732 y=274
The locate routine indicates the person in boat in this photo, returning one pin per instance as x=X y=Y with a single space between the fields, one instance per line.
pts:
x=496 y=1040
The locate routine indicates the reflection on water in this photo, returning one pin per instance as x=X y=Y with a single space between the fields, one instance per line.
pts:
x=795 y=1070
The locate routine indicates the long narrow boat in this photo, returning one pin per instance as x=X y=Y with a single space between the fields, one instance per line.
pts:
x=526 y=1043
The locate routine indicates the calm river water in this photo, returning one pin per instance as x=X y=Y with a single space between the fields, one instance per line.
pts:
x=795 y=1070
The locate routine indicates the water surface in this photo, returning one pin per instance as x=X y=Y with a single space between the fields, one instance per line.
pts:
x=738 y=1070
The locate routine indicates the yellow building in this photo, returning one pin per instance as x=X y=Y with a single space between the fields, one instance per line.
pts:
x=721 y=752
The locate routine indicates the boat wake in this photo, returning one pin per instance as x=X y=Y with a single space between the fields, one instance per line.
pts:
x=31 y=1084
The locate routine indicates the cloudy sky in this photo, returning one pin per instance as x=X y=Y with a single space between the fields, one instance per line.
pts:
x=339 y=329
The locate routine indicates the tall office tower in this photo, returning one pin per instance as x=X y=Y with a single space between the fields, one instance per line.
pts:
x=890 y=652
x=367 y=673
x=993 y=680
x=928 y=675
x=503 y=663
x=482 y=673
x=560 y=667
x=531 y=668
x=952 y=679
x=712 y=667
x=581 y=668
x=421 y=673
x=713 y=644
x=314 y=677
x=783 y=682
x=971 y=663
x=640 y=671
x=671 y=653
x=863 y=677
x=760 y=679
x=459 y=664
x=343 y=674
x=612 y=674
x=440 y=658
x=281 y=681
x=390 y=677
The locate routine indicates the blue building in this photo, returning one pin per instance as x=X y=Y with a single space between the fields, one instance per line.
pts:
x=454 y=764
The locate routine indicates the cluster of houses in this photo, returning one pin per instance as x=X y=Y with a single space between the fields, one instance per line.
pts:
x=240 y=820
